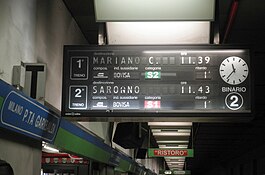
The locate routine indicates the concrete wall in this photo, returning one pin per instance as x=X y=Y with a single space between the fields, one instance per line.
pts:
x=23 y=154
x=54 y=28
x=17 y=34
x=17 y=44
x=33 y=31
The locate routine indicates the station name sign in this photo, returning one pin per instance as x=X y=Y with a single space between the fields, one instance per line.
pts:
x=25 y=115
x=155 y=81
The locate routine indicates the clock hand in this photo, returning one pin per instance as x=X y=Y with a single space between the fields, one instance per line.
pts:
x=230 y=74
x=234 y=70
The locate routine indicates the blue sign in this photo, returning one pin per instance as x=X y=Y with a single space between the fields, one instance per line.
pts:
x=25 y=115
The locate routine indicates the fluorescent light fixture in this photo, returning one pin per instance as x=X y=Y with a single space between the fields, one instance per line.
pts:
x=171 y=130
x=179 y=169
x=175 y=159
x=172 y=141
x=54 y=150
x=49 y=148
x=165 y=145
x=192 y=51
x=178 y=158
x=170 y=123
x=154 y=10
x=170 y=134
x=167 y=172
x=133 y=33
x=172 y=147
x=177 y=163
x=174 y=165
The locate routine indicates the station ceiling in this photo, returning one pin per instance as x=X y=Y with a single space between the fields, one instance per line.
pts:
x=215 y=143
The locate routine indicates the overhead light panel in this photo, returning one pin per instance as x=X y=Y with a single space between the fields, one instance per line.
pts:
x=177 y=32
x=49 y=148
x=177 y=163
x=170 y=123
x=172 y=130
x=154 y=10
x=174 y=165
x=173 y=147
x=175 y=159
x=170 y=134
x=172 y=141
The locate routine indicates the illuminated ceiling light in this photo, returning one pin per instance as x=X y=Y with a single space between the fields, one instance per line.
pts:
x=154 y=10
x=177 y=163
x=156 y=130
x=176 y=130
x=50 y=149
x=171 y=134
x=173 y=144
x=172 y=141
x=177 y=32
x=173 y=147
x=174 y=160
x=167 y=172
x=196 y=51
x=175 y=166
x=170 y=123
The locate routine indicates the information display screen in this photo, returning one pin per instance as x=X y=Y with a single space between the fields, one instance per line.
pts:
x=156 y=81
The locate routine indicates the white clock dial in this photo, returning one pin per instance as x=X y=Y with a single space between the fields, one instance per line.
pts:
x=233 y=70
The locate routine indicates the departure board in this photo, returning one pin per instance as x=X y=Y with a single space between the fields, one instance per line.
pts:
x=156 y=81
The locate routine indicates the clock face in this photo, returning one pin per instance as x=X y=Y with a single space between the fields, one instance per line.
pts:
x=233 y=70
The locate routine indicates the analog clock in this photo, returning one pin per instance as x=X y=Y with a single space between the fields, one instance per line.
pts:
x=233 y=70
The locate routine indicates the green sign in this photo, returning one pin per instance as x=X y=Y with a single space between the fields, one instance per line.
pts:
x=156 y=152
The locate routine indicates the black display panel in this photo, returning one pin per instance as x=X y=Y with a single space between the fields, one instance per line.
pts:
x=157 y=83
